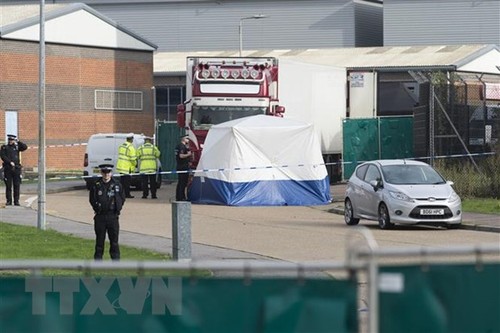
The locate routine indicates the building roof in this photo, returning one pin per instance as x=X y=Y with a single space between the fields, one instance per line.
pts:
x=450 y=57
x=71 y=24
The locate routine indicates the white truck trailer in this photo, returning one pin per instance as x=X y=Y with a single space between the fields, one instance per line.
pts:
x=317 y=94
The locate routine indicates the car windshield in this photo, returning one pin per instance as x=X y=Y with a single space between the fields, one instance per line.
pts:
x=410 y=174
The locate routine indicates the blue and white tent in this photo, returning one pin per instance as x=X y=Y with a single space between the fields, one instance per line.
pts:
x=261 y=161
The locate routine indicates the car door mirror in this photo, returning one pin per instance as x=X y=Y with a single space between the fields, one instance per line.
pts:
x=376 y=184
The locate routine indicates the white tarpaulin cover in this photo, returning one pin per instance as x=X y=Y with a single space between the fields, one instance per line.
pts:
x=261 y=161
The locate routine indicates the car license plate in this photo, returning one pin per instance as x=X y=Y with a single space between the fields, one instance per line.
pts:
x=97 y=170
x=429 y=211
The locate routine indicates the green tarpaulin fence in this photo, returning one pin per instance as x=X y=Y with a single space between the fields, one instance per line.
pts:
x=176 y=304
x=168 y=138
x=422 y=298
x=440 y=298
x=375 y=138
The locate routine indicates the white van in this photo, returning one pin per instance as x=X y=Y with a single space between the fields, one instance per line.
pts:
x=103 y=149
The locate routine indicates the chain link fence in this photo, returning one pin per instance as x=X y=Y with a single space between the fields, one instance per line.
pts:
x=464 y=131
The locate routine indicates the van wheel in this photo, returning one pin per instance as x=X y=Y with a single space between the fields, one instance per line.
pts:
x=136 y=182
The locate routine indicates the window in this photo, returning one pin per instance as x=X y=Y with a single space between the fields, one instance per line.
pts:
x=361 y=171
x=167 y=99
x=11 y=123
x=118 y=100
x=372 y=174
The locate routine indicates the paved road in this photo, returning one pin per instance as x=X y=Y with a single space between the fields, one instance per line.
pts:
x=281 y=233
x=294 y=234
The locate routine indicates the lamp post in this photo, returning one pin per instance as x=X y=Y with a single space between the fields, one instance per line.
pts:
x=254 y=17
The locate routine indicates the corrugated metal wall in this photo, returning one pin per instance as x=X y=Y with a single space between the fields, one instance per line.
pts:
x=369 y=22
x=213 y=25
x=441 y=22
x=193 y=25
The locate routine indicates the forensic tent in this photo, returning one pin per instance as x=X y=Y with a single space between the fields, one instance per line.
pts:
x=261 y=161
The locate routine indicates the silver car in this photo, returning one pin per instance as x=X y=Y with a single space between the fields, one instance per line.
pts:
x=403 y=192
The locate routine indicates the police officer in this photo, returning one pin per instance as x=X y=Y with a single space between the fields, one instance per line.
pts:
x=182 y=156
x=12 y=167
x=127 y=160
x=148 y=155
x=106 y=196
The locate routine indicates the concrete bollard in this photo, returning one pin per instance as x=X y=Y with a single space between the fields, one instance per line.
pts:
x=181 y=230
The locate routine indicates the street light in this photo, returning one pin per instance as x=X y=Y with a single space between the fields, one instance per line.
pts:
x=254 y=17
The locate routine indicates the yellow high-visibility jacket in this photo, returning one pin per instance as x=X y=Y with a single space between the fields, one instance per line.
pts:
x=147 y=155
x=127 y=158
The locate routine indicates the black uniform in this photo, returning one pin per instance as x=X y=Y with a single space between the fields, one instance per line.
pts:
x=12 y=173
x=183 y=178
x=107 y=200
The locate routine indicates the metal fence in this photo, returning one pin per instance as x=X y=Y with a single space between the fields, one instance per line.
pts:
x=467 y=121
x=474 y=175
x=457 y=129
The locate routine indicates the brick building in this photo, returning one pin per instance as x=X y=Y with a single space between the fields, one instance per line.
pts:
x=98 y=79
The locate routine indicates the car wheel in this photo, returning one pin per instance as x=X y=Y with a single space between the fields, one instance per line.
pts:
x=349 y=213
x=384 y=220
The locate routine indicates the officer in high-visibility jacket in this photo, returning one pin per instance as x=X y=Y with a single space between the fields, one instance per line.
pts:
x=127 y=161
x=148 y=155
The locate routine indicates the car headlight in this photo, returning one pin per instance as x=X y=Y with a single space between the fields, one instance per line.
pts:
x=454 y=197
x=400 y=196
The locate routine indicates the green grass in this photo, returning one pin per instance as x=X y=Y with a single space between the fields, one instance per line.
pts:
x=486 y=206
x=22 y=242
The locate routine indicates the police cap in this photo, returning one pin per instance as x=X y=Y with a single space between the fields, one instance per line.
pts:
x=106 y=167
x=130 y=136
x=11 y=137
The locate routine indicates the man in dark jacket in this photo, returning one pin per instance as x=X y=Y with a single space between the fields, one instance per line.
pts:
x=106 y=197
x=182 y=157
x=12 y=167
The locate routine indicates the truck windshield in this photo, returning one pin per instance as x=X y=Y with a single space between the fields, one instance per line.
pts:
x=203 y=117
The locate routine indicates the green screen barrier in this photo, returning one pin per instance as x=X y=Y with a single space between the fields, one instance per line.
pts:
x=440 y=298
x=168 y=138
x=156 y=304
x=369 y=139
x=361 y=143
